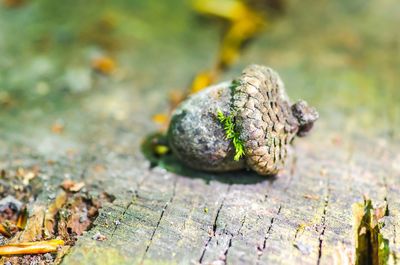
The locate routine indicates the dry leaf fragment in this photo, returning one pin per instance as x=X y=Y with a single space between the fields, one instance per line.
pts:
x=99 y=168
x=72 y=186
x=161 y=150
x=4 y=231
x=202 y=80
x=13 y=3
x=34 y=227
x=311 y=197
x=160 y=118
x=27 y=175
x=52 y=210
x=57 y=128
x=99 y=237
x=104 y=65
x=22 y=218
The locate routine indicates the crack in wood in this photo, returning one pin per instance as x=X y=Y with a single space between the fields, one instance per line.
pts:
x=159 y=220
x=214 y=225
x=267 y=235
x=134 y=197
x=232 y=237
x=395 y=258
x=188 y=217
x=296 y=234
x=323 y=224
x=116 y=224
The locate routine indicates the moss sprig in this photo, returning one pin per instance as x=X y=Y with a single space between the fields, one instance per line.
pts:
x=234 y=84
x=231 y=133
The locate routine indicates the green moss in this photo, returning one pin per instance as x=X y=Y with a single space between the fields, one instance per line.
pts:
x=231 y=133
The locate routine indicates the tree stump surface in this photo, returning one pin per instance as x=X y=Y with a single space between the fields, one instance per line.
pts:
x=344 y=59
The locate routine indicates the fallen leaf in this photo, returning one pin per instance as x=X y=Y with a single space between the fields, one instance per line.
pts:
x=244 y=24
x=29 y=248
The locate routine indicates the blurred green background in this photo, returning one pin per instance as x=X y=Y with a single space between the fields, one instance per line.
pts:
x=341 y=56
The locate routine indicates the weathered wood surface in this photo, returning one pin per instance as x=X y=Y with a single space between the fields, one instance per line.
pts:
x=345 y=64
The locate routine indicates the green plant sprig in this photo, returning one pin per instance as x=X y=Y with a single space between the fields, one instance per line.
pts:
x=231 y=134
